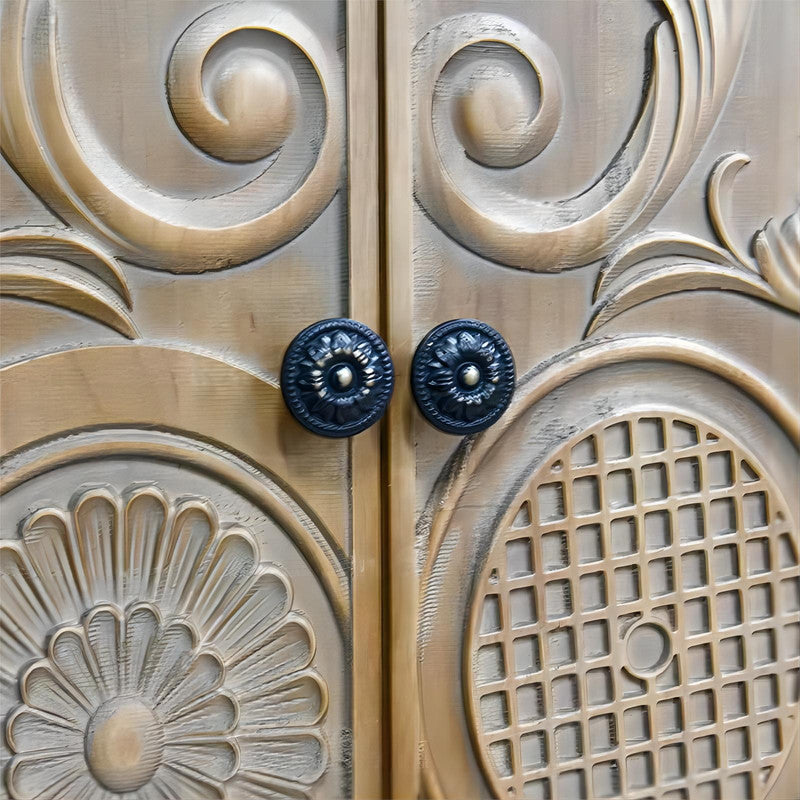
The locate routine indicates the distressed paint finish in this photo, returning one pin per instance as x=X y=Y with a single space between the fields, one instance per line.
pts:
x=613 y=186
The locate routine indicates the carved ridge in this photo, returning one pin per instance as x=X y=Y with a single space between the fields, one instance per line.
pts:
x=661 y=264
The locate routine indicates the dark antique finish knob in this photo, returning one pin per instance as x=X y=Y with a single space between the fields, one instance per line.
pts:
x=463 y=376
x=337 y=377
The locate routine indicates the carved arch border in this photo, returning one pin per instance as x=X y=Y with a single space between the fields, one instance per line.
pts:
x=25 y=431
x=533 y=388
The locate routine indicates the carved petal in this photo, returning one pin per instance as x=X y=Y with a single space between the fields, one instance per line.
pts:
x=217 y=759
x=257 y=786
x=300 y=756
x=48 y=542
x=182 y=551
x=205 y=674
x=678 y=278
x=47 y=775
x=141 y=631
x=300 y=700
x=288 y=649
x=267 y=600
x=173 y=780
x=96 y=526
x=69 y=652
x=103 y=627
x=234 y=561
x=28 y=730
x=168 y=659
x=42 y=689
x=216 y=716
x=145 y=518
x=22 y=612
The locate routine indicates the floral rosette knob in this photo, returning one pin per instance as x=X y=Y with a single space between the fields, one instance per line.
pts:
x=463 y=376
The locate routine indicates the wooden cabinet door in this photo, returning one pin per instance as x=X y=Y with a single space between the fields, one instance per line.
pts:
x=597 y=596
x=190 y=579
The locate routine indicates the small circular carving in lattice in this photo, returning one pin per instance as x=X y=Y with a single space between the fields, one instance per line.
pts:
x=635 y=631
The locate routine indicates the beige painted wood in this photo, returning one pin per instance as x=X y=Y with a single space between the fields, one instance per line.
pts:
x=403 y=734
x=195 y=578
x=597 y=597
x=365 y=449
x=614 y=188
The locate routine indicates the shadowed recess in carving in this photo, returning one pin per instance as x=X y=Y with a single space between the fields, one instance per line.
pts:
x=695 y=55
x=58 y=267
x=168 y=659
x=659 y=264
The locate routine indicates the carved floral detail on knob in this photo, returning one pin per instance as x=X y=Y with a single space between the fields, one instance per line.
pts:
x=463 y=376
x=169 y=662
x=337 y=377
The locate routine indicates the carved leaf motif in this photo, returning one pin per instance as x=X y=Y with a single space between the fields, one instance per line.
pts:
x=58 y=267
x=661 y=264
x=207 y=670
x=777 y=252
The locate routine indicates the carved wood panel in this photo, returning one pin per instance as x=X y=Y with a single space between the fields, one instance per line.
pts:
x=181 y=560
x=600 y=606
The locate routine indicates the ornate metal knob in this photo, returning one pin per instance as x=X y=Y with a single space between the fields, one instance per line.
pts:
x=463 y=376
x=337 y=377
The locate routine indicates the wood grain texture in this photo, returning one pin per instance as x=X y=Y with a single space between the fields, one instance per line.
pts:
x=173 y=175
x=608 y=145
x=404 y=775
x=365 y=450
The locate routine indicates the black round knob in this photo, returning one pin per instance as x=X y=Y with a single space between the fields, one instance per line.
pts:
x=463 y=376
x=337 y=377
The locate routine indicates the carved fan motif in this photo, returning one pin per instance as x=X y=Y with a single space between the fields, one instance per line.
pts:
x=158 y=657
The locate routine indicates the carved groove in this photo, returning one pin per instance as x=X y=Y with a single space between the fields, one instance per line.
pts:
x=166 y=232
x=660 y=264
x=646 y=575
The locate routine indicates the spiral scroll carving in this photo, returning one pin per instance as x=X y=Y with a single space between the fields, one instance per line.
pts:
x=247 y=83
x=495 y=121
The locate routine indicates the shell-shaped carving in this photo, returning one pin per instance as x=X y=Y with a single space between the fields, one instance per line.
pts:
x=158 y=656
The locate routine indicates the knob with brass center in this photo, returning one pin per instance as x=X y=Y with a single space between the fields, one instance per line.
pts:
x=470 y=375
x=124 y=744
x=342 y=377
